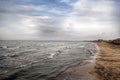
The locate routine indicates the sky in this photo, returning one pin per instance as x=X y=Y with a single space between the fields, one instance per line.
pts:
x=59 y=19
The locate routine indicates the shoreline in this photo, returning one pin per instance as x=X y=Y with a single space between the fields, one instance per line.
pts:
x=105 y=65
x=81 y=71
x=77 y=72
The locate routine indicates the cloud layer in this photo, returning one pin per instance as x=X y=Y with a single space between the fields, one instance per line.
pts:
x=60 y=19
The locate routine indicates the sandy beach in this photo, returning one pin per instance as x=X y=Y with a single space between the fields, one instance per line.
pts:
x=108 y=63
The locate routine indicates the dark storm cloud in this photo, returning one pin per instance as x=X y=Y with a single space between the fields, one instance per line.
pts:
x=49 y=30
x=49 y=26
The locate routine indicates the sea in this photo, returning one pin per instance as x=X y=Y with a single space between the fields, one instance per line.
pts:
x=41 y=60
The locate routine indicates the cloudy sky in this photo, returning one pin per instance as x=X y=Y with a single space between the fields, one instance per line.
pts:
x=59 y=19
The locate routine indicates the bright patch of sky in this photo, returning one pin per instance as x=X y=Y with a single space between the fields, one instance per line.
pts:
x=59 y=19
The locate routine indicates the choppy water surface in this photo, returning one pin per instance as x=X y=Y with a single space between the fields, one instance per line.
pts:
x=36 y=60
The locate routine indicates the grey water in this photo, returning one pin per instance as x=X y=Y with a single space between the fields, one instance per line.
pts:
x=40 y=60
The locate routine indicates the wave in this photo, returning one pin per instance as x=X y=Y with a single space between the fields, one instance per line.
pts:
x=31 y=61
x=9 y=47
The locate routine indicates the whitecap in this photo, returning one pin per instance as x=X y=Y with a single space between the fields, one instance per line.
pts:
x=51 y=55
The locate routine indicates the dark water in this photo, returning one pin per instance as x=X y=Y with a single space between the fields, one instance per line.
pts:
x=36 y=60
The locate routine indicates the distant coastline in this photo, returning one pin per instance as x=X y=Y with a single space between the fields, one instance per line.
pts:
x=113 y=41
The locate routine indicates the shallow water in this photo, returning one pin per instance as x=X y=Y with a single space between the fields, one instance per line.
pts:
x=40 y=60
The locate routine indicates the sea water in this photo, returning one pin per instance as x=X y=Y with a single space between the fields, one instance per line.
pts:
x=40 y=60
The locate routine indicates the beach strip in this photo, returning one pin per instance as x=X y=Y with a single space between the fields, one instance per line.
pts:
x=108 y=63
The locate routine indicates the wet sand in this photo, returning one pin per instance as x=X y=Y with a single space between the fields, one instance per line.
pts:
x=80 y=71
x=108 y=63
